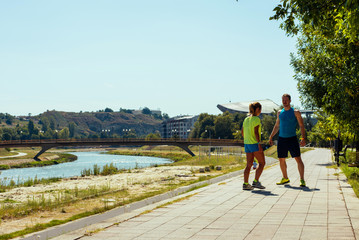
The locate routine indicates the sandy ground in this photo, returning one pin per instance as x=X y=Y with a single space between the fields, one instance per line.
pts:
x=135 y=182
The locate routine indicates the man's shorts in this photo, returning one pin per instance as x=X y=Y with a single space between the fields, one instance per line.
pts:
x=249 y=148
x=290 y=144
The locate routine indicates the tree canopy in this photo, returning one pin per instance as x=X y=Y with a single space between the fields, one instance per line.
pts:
x=326 y=63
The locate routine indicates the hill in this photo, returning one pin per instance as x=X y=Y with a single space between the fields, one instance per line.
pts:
x=61 y=124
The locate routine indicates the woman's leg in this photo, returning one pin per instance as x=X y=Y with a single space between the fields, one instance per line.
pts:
x=261 y=161
x=250 y=157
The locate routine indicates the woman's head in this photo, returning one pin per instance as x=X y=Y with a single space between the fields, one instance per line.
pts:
x=255 y=108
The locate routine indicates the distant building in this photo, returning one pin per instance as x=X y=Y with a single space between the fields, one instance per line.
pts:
x=179 y=126
x=268 y=106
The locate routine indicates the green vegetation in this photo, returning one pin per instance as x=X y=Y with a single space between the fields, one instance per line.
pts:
x=63 y=157
x=326 y=63
x=108 y=169
x=63 y=125
x=227 y=126
x=352 y=173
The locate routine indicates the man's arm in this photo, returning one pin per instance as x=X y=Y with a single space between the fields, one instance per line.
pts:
x=275 y=129
x=301 y=125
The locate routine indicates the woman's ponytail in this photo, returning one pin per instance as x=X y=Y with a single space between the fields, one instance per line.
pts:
x=253 y=107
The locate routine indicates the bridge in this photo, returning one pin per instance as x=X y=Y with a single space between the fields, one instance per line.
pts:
x=46 y=144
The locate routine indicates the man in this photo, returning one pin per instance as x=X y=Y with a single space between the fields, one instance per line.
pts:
x=286 y=124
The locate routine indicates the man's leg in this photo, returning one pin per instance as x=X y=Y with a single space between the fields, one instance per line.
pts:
x=300 y=167
x=283 y=167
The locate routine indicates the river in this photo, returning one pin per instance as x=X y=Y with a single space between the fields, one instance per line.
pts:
x=85 y=160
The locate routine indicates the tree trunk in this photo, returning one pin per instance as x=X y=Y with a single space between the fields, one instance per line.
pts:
x=357 y=152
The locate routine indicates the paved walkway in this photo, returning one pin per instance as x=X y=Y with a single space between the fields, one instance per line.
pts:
x=327 y=209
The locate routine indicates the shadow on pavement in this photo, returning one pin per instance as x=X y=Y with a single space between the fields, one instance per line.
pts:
x=264 y=192
x=305 y=189
x=325 y=164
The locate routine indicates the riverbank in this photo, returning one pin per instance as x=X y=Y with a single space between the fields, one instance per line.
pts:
x=45 y=205
x=121 y=188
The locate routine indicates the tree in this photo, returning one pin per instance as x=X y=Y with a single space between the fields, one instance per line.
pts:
x=64 y=133
x=72 y=129
x=268 y=122
x=9 y=119
x=326 y=130
x=125 y=110
x=204 y=126
x=326 y=64
x=30 y=127
x=52 y=123
x=108 y=110
x=153 y=136
x=223 y=126
x=45 y=124
x=146 y=110
x=165 y=116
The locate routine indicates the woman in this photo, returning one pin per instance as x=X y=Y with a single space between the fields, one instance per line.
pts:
x=251 y=132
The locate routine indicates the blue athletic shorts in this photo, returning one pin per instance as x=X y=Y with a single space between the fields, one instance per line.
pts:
x=290 y=144
x=249 y=148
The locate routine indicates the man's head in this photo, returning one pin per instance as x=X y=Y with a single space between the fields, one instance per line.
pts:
x=286 y=99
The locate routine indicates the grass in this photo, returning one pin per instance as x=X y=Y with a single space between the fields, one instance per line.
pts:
x=352 y=173
x=5 y=152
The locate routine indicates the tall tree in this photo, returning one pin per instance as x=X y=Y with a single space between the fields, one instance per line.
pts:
x=72 y=129
x=31 y=127
x=223 y=126
x=326 y=63
x=64 y=133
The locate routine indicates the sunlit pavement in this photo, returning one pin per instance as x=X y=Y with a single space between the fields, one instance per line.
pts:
x=326 y=209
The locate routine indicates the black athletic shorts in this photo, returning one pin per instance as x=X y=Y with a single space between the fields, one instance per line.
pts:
x=290 y=144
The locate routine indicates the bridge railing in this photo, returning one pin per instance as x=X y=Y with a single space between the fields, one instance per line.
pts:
x=115 y=140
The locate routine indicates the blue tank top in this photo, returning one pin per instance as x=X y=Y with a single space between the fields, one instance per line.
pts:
x=287 y=123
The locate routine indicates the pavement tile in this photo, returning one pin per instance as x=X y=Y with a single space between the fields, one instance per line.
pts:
x=288 y=232
x=263 y=231
x=326 y=209
x=314 y=232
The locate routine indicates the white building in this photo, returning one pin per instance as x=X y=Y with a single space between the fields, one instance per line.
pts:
x=179 y=126
x=268 y=106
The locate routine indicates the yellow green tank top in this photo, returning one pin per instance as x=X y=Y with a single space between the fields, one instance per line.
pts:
x=249 y=124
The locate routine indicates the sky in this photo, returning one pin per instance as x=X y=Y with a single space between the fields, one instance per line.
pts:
x=182 y=57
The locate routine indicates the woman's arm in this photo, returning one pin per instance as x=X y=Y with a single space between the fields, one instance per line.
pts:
x=256 y=133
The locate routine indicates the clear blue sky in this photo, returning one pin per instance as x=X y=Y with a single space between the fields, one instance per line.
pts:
x=182 y=57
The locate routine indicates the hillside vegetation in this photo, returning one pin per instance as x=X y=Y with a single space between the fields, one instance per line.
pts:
x=59 y=124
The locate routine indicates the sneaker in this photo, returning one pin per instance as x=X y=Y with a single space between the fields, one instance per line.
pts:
x=283 y=181
x=258 y=185
x=302 y=183
x=247 y=187
x=254 y=165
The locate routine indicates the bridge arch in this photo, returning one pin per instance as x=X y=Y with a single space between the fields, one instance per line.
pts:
x=47 y=144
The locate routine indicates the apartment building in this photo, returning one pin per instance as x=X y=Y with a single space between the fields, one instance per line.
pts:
x=179 y=126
